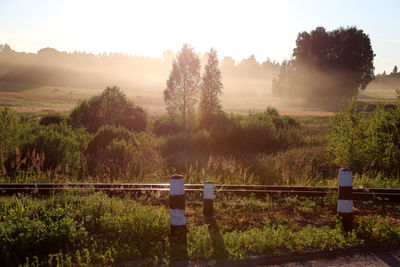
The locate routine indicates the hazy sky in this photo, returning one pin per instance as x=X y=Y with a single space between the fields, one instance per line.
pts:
x=234 y=28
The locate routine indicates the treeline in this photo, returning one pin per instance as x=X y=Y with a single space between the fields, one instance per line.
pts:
x=385 y=81
x=50 y=67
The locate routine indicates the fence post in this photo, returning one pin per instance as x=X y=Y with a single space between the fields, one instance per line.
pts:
x=345 y=198
x=208 y=196
x=177 y=204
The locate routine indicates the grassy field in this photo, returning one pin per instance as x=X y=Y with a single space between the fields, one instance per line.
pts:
x=30 y=98
x=85 y=229
x=378 y=94
x=304 y=161
x=36 y=99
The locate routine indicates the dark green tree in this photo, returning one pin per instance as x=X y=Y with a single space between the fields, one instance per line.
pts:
x=183 y=84
x=111 y=107
x=394 y=70
x=281 y=82
x=329 y=66
x=211 y=89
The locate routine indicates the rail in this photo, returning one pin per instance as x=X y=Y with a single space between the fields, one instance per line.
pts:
x=240 y=190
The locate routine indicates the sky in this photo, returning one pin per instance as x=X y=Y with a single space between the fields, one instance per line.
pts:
x=267 y=29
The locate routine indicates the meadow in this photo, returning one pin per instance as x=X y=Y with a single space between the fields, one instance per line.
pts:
x=50 y=135
x=92 y=229
x=262 y=145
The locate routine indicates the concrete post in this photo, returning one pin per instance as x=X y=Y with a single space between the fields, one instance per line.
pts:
x=208 y=196
x=177 y=203
x=345 y=198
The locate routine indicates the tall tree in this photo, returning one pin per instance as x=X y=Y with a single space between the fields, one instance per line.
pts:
x=394 y=70
x=211 y=89
x=183 y=83
x=329 y=66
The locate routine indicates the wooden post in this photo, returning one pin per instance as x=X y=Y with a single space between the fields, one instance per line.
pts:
x=345 y=198
x=208 y=196
x=177 y=204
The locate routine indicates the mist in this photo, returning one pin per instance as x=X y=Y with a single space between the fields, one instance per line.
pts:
x=143 y=79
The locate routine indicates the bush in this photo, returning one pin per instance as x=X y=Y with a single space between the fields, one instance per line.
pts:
x=104 y=136
x=257 y=132
x=369 y=142
x=95 y=230
x=184 y=149
x=25 y=146
x=347 y=136
x=51 y=119
x=111 y=107
x=116 y=152
x=57 y=147
x=10 y=135
x=382 y=145
x=167 y=125
x=232 y=135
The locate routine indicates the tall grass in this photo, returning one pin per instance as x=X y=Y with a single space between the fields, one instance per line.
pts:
x=95 y=230
x=77 y=229
x=259 y=148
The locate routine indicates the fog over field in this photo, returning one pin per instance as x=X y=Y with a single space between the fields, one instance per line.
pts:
x=56 y=77
x=142 y=78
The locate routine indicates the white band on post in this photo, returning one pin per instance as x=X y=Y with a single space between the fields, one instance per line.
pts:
x=177 y=187
x=177 y=201
x=177 y=217
x=345 y=198
x=345 y=206
x=209 y=191
x=345 y=177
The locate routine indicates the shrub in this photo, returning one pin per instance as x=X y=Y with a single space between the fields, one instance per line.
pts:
x=93 y=230
x=167 y=125
x=111 y=107
x=231 y=135
x=10 y=130
x=51 y=119
x=104 y=136
x=59 y=147
x=345 y=140
x=116 y=152
x=27 y=146
x=182 y=149
x=382 y=145
x=257 y=132
x=369 y=142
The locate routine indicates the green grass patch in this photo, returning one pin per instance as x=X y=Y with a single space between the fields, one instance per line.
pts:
x=83 y=229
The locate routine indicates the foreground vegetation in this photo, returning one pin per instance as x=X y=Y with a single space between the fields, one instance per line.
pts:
x=85 y=229
x=97 y=143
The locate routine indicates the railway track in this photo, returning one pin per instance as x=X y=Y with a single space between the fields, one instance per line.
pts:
x=240 y=190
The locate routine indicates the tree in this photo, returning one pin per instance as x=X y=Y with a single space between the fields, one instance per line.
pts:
x=394 y=70
x=211 y=89
x=111 y=107
x=280 y=83
x=183 y=83
x=5 y=48
x=329 y=66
